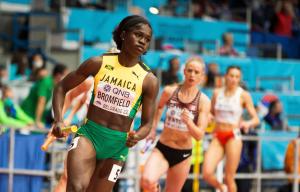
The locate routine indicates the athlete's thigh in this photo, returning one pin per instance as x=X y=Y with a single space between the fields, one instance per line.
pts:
x=233 y=151
x=213 y=156
x=81 y=161
x=155 y=166
x=105 y=176
x=177 y=175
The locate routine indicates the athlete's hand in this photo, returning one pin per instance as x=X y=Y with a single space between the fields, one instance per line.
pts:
x=132 y=139
x=186 y=116
x=151 y=136
x=56 y=129
x=245 y=126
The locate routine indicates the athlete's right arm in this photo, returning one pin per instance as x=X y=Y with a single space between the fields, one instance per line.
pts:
x=165 y=96
x=213 y=101
x=87 y=68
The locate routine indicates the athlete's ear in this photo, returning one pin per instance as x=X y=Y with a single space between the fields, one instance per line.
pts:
x=122 y=35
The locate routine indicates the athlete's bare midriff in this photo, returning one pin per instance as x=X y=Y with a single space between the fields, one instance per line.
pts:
x=176 y=139
x=225 y=126
x=108 y=119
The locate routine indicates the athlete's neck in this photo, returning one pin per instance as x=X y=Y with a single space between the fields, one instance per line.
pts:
x=229 y=90
x=127 y=60
x=188 y=90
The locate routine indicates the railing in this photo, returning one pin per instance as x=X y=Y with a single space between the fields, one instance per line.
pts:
x=208 y=47
x=289 y=79
x=133 y=171
x=268 y=50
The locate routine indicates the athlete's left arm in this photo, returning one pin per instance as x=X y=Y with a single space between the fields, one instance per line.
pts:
x=198 y=131
x=248 y=104
x=150 y=90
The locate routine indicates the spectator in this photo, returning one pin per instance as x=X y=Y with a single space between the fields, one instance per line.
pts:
x=171 y=76
x=283 y=18
x=289 y=164
x=263 y=12
x=212 y=74
x=35 y=103
x=37 y=63
x=273 y=118
x=227 y=48
x=10 y=113
x=203 y=9
x=38 y=74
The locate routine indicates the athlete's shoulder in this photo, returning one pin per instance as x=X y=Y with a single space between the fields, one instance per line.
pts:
x=204 y=98
x=95 y=59
x=91 y=66
x=144 y=66
x=151 y=83
x=170 y=89
x=245 y=94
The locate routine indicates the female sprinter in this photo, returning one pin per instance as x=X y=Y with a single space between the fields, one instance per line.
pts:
x=186 y=117
x=121 y=84
x=227 y=107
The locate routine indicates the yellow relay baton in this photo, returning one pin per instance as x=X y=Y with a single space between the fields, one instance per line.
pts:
x=51 y=138
x=69 y=129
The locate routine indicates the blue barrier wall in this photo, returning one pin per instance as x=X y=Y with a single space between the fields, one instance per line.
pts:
x=98 y=26
x=251 y=68
x=18 y=1
x=28 y=155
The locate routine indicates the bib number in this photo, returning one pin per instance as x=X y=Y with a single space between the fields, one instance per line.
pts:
x=114 y=173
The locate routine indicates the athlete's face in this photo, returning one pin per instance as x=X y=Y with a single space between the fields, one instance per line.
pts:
x=138 y=39
x=233 y=77
x=193 y=72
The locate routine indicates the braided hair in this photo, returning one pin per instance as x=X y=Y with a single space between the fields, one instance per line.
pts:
x=128 y=24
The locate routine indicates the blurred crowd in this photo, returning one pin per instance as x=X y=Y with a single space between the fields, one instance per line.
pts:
x=281 y=17
x=26 y=91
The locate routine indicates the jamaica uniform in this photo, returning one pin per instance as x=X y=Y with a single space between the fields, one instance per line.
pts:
x=117 y=89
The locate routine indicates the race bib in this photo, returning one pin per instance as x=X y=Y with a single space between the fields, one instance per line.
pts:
x=114 y=173
x=114 y=98
x=173 y=118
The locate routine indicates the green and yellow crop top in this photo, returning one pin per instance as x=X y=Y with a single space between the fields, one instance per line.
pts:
x=118 y=89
